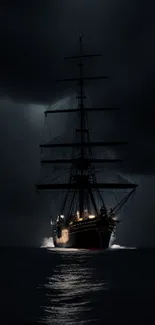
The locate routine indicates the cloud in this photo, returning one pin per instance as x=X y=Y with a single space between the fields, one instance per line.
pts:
x=34 y=39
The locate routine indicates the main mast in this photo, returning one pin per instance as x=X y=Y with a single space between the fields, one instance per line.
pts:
x=81 y=190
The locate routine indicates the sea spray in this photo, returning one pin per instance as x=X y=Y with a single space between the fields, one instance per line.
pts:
x=47 y=242
x=112 y=239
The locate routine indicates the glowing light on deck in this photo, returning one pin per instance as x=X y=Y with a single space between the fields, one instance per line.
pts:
x=78 y=214
x=92 y=216
x=64 y=237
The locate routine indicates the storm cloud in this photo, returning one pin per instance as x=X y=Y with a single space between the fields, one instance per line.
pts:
x=35 y=36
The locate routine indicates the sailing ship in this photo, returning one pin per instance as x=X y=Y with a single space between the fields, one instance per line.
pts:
x=84 y=220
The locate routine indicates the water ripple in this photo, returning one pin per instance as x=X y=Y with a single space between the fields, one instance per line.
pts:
x=70 y=290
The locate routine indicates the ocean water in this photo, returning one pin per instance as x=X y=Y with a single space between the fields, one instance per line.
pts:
x=60 y=286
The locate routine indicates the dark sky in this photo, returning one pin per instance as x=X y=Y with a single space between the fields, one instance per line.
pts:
x=34 y=38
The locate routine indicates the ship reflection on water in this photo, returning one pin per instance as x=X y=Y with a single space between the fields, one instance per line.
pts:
x=69 y=300
x=98 y=287
x=69 y=291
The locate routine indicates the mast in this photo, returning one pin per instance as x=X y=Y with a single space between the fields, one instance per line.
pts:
x=81 y=190
x=82 y=165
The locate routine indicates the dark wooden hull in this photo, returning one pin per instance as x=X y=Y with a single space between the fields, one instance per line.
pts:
x=87 y=239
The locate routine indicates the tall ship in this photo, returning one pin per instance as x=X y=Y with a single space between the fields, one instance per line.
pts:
x=84 y=220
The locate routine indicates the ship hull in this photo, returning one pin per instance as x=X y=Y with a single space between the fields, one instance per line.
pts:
x=92 y=239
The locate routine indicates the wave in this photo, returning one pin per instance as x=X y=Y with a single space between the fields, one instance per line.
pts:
x=48 y=243
x=115 y=246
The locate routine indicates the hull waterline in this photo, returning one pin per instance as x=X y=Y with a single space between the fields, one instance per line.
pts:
x=93 y=239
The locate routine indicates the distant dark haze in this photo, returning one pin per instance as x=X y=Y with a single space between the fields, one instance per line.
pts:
x=34 y=38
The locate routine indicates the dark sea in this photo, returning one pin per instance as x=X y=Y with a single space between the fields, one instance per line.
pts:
x=69 y=286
